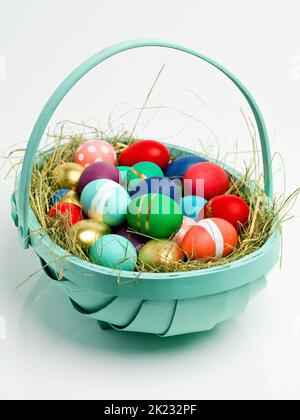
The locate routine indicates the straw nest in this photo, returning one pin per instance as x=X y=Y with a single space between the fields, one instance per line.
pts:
x=265 y=216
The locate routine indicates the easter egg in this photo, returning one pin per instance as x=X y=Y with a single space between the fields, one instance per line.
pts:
x=140 y=172
x=106 y=201
x=160 y=185
x=137 y=241
x=93 y=151
x=99 y=170
x=71 y=212
x=185 y=227
x=155 y=215
x=160 y=254
x=193 y=207
x=145 y=151
x=206 y=179
x=229 y=207
x=210 y=238
x=178 y=167
x=87 y=232
x=114 y=251
x=64 y=196
x=67 y=175
x=123 y=175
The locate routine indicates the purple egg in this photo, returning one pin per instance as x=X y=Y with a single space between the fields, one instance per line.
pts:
x=137 y=241
x=98 y=170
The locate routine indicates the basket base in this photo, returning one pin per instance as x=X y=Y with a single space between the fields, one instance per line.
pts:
x=105 y=325
x=163 y=318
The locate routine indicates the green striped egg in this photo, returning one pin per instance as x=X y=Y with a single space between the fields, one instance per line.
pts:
x=155 y=215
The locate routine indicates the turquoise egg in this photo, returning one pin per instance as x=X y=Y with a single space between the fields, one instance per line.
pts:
x=142 y=171
x=193 y=207
x=106 y=201
x=114 y=251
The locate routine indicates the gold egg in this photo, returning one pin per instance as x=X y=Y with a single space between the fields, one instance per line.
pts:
x=160 y=254
x=67 y=175
x=87 y=232
x=72 y=197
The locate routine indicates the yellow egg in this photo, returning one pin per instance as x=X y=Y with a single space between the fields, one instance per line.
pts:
x=89 y=231
x=160 y=254
x=67 y=175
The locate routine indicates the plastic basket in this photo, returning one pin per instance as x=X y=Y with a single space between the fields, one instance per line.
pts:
x=162 y=304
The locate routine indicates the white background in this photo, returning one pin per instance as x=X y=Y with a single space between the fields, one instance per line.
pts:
x=47 y=350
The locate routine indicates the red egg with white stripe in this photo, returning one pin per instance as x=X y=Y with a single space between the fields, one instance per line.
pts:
x=93 y=151
x=186 y=226
x=210 y=238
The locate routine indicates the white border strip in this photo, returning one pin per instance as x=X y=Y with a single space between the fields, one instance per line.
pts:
x=211 y=227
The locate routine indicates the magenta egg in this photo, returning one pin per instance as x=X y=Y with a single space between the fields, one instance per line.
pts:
x=98 y=170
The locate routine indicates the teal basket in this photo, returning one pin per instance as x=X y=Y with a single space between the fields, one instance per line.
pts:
x=162 y=304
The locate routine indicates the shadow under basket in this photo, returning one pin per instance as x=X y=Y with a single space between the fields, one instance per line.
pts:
x=165 y=304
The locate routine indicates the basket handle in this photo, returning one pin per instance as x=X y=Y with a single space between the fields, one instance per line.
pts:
x=79 y=73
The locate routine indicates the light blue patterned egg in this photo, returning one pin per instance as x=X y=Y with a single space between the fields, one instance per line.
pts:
x=193 y=207
x=106 y=201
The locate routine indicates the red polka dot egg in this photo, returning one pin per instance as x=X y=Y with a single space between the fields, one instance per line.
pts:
x=93 y=151
x=211 y=238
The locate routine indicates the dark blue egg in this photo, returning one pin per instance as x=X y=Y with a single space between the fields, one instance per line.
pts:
x=64 y=196
x=180 y=166
x=158 y=185
x=58 y=196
